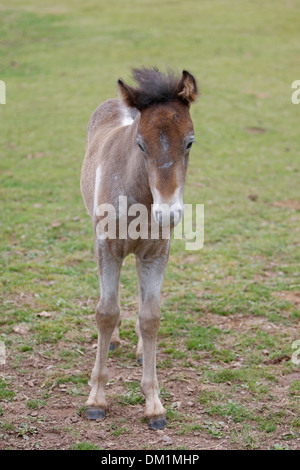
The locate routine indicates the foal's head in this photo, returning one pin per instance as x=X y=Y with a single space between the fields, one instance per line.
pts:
x=165 y=135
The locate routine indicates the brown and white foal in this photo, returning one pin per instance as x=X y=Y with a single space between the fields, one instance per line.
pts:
x=137 y=146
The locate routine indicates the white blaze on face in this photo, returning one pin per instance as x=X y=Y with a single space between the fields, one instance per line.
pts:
x=168 y=212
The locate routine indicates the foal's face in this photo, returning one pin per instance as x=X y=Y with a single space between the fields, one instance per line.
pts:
x=165 y=137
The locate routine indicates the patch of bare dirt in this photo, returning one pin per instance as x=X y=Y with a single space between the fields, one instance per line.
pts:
x=22 y=299
x=256 y=130
x=241 y=323
x=290 y=296
x=57 y=422
x=287 y=204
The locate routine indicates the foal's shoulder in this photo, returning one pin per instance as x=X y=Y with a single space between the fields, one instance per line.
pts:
x=110 y=114
x=105 y=112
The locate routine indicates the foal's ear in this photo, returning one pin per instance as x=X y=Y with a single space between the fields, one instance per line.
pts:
x=187 y=88
x=127 y=93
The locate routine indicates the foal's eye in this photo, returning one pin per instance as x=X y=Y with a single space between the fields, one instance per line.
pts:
x=142 y=149
x=189 y=143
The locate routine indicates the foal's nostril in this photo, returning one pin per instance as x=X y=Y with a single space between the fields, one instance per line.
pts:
x=172 y=217
x=175 y=216
x=158 y=216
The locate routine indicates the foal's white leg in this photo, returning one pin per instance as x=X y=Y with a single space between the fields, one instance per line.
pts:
x=115 y=339
x=107 y=316
x=139 y=348
x=151 y=274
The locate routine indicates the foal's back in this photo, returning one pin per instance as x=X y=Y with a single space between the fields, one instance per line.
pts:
x=106 y=131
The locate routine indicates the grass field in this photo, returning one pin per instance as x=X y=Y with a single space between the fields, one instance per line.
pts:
x=230 y=312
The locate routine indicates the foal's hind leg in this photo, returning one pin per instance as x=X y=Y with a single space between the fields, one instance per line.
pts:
x=107 y=316
x=151 y=274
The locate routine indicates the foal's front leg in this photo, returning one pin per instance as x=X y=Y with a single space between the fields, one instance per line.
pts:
x=151 y=274
x=107 y=316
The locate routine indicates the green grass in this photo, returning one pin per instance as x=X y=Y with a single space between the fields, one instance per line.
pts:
x=236 y=412
x=35 y=404
x=242 y=376
x=5 y=392
x=133 y=396
x=222 y=315
x=85 y=446
x=295 y=389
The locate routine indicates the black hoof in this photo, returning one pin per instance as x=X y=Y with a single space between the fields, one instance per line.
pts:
x=157 y=423
x=140 y=360
x=93 y=412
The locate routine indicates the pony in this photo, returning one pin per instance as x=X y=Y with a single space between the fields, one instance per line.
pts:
x=137 y=149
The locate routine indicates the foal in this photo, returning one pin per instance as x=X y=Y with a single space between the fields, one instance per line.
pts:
x=137 y=146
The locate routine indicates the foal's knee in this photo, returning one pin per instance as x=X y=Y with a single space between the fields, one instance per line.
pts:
x=150 y=315
x=107 y=313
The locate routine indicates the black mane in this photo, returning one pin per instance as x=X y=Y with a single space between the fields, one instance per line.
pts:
x=157 y=87
x=153 y=87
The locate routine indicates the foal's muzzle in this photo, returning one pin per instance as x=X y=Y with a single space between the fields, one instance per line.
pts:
x=167 y=216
